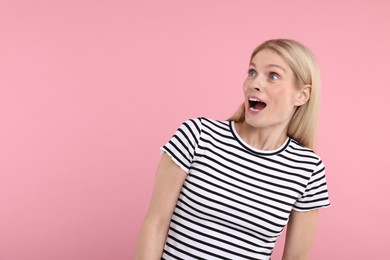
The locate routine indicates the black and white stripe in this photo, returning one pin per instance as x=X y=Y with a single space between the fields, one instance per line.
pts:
x=236 y=200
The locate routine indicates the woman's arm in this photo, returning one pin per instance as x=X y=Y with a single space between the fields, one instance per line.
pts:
x=300 y=231
x=168 y=183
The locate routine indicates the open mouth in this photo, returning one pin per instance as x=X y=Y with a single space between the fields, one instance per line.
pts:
x=256 y=104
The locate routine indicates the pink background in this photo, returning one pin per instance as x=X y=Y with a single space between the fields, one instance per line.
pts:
x=89 y=91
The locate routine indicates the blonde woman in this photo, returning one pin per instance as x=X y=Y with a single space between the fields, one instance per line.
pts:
x=226 y=189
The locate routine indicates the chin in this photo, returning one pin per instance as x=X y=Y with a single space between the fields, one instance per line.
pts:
x=253 y=122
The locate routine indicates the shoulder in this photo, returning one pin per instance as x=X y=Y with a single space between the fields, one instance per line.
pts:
x=206 y=122
x=299 y=151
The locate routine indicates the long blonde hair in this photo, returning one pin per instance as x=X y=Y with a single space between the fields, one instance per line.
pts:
x=303 y=124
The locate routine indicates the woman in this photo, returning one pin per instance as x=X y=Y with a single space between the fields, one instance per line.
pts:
x=226 y=189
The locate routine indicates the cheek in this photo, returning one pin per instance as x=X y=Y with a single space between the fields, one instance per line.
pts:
x=244 y=86
x=277 y=93
x=282 y=97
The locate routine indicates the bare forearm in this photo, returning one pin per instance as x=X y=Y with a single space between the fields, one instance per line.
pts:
x=151 y=241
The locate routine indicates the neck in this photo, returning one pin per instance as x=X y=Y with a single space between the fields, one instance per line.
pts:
x=262 y=139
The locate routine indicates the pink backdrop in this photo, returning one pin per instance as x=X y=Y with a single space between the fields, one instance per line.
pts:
x=91 y=89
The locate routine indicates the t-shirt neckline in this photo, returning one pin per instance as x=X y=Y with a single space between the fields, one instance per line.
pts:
x=253 y=149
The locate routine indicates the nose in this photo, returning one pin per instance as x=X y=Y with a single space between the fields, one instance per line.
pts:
x=258 y=83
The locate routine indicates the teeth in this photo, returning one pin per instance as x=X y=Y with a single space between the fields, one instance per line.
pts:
x=254 y=99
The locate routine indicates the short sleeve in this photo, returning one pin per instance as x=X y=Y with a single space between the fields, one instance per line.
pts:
x=182 y=146
x=316 y=192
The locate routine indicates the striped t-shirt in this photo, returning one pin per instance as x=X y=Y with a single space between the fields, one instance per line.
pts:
x=236 y=200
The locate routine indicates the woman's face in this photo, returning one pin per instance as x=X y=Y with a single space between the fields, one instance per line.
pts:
x=270 y=92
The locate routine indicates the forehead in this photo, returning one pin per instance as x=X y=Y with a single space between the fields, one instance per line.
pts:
x=268 y=57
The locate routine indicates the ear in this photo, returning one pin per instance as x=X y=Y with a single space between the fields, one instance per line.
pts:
x=303 y=95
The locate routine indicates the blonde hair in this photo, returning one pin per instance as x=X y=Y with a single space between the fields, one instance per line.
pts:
x=303 y=124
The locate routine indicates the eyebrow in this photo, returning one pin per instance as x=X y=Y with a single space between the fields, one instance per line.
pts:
x=270 y=66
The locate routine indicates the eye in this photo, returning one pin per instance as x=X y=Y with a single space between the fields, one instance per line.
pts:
x=273 y=76
x=252 y=73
